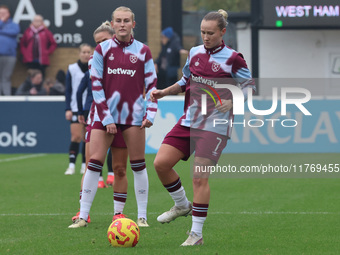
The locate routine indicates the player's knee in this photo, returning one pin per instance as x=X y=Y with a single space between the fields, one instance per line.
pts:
x=159 y=164
x=119 y=170
x=199 y=182
x=76 y=138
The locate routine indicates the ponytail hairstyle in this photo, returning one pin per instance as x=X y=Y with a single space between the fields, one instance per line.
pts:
x=104 y=27
x=220 y=16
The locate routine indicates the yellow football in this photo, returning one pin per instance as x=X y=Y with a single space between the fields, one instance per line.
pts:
x=123 y=232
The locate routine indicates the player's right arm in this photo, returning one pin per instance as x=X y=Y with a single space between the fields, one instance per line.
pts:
x=159 y=93
x=176 y=88
x=97 y=71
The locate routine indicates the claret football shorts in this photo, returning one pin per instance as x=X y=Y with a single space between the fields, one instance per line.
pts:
x=118 y=141
x=206 y=144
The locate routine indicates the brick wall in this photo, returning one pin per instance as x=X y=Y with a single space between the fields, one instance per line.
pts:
x=60 y=59
x=154 y=22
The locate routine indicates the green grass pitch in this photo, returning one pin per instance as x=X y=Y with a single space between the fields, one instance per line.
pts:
x=246 y=215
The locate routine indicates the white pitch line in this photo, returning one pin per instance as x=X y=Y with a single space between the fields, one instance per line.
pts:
x=300 y=213
x=156 y=213
x=21 y=157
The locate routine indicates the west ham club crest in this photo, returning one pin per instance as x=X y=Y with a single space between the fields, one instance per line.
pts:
x=215 y=67
x=133 y=59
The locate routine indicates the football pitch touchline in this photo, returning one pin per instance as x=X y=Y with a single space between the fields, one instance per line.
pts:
x=156 y=213
x=22 y=157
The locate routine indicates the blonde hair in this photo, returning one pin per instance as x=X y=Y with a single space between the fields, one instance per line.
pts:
x=124 y=9
x=220 y=16
x=104 y=27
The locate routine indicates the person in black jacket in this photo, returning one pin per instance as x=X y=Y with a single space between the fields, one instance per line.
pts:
x=168 y=61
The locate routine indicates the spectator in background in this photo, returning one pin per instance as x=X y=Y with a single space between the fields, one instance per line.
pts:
x=56 y=87
x=33 y=85
x=168 y=61
x=61 y=77
x=8 y=44
x=37 y=44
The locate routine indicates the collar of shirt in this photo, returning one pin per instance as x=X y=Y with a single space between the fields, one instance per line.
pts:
x=123 y=44
x=215 y=49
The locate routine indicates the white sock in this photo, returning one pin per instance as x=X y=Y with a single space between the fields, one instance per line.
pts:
x=80 y=195
x=110 y=173
x=90 y=186
x=180 y=198
x=197 y=224
x=118 y=207
x=83 y=165
x=71 y=165
x=141 y=183
x=119 y=200
x=101 y=179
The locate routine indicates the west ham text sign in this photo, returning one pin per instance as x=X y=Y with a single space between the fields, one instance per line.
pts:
x=301 y=13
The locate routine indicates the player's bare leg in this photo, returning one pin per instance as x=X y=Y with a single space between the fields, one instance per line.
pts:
x=167 y=157
x=120 y=183
x=110 y=175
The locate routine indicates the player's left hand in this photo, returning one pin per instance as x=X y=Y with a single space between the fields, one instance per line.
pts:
x=146 y=124
x=225 y=106
x=111 y=129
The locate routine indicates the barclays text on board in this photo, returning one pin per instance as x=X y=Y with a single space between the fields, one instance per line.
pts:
x=314 y=133
x=42 y=128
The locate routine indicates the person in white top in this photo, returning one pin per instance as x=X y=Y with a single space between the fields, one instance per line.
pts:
x=75 y=73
